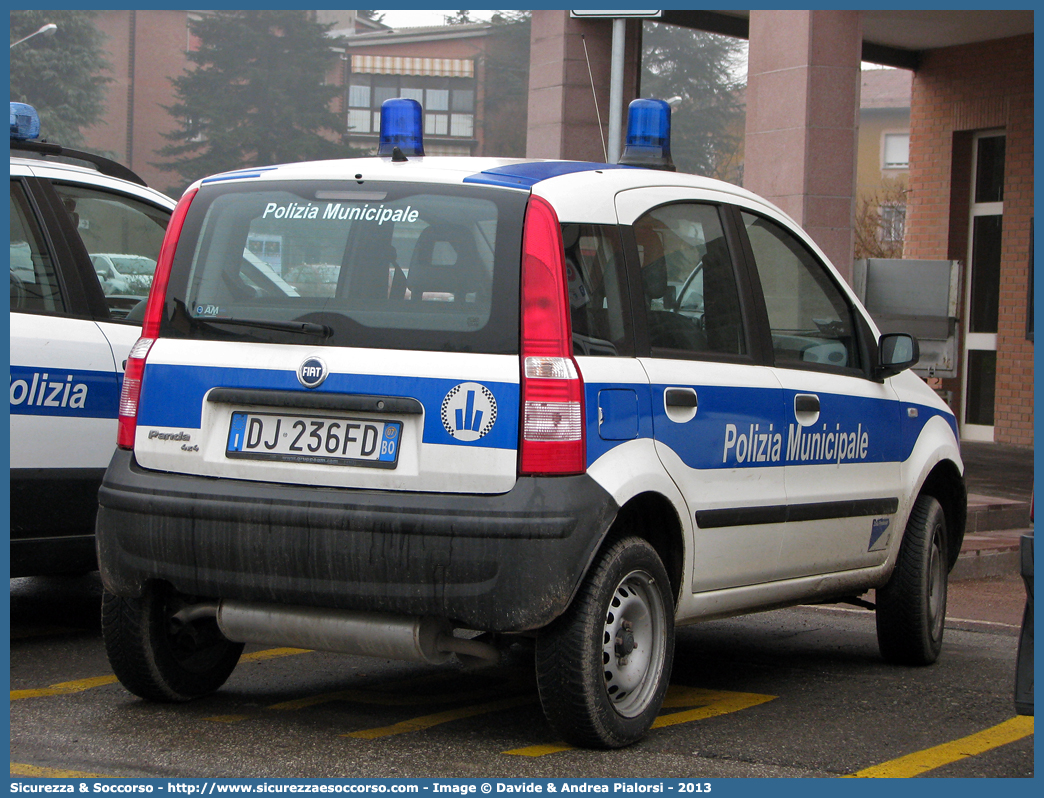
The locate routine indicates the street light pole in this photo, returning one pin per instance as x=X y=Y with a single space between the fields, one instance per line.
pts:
x=45 y=30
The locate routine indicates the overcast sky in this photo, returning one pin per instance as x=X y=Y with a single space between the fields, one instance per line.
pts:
x=419 y=18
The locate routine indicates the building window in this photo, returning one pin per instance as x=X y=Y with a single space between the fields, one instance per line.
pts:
x=462 y=125
x=893 y=223
x=437 y=100
x=436 y=124
x=463 y=100
x=359 y=121
x=358 y=96
x=448 y=101
x=896 y=151
x=382 y=93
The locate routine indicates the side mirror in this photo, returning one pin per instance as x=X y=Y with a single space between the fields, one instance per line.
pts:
x=896 y=352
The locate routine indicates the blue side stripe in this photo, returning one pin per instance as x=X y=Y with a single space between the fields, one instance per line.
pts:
x=71 y=393
x=891 y=432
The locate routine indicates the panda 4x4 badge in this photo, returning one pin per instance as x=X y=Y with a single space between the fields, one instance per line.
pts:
x=469 y=411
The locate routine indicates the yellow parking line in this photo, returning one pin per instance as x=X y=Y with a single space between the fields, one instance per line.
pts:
x=273 y=653
x=34 y=772
x=427 y=721
x=539 y=750
x=931 y=758
x=709 y=703
x=64 y=688
x=706 y=703
x=79 y=685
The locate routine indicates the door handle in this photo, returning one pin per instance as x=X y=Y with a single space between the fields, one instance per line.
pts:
x=680 y=404
x=806 y=409
x=806 y=403
x=680 y=397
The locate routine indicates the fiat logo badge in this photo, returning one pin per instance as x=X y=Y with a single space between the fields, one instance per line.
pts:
x=312 y=372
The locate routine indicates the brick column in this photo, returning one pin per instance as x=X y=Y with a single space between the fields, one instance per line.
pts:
x=803 y=121
x=562 y=118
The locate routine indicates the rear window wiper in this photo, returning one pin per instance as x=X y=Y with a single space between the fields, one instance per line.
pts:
x=302 y=327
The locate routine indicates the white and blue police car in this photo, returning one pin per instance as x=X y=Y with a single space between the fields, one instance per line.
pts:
x=573 y=402
x=69 y=337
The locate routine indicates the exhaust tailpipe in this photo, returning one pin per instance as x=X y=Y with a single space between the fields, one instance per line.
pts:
x=368 y=634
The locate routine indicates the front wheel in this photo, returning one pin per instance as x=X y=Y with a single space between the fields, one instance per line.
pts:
x=603 y=667
x=911 y=607
x=159 y=656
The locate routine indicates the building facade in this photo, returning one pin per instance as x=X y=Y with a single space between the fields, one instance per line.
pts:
x=971 y=199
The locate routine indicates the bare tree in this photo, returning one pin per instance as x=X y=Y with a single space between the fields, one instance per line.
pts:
x=880 y=222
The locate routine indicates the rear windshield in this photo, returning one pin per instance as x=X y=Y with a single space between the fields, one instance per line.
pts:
x=388 y=265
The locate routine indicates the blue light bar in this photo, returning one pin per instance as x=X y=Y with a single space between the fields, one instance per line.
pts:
x=648 y=140
x=402 y=126
x=25 y=122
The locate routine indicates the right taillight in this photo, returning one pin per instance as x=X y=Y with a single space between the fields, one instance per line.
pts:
x=552 y=439
x=135 y=369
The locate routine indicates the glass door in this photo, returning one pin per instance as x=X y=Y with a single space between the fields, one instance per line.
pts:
x=983 y=286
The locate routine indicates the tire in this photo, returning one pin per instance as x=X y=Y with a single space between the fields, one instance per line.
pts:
x=603 y=667
x=158 y=657
x=911 y=607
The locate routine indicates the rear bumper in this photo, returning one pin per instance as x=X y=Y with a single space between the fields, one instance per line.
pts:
x=507 y=562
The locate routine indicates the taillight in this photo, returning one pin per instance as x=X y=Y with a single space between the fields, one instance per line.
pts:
x=128 y=417
x=135 y=370
x=553 y=440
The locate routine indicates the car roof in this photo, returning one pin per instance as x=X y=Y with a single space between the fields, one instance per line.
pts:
x=58 y=170
x=581 y=191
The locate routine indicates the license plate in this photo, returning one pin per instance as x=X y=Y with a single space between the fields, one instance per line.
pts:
x=314 y=439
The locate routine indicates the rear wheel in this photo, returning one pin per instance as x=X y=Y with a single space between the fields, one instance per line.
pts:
x=158 y=656
x=603 y=666
x=911 y=607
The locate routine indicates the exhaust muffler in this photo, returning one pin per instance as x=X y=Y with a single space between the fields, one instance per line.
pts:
x=368 y=634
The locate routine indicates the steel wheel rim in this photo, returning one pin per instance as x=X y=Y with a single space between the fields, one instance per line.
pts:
x=936 y=584
x=635 y=617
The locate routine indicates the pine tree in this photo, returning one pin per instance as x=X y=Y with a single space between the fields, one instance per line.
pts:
x=256 y=96
x=506 y=107
x=61 y=75
x=707 y=121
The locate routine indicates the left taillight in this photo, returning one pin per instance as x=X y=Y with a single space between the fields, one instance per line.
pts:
x=552 y=439
x=134 y=372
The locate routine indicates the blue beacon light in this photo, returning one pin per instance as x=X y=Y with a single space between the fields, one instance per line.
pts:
x=25 y=122
x=402 y=125
x=648 y=141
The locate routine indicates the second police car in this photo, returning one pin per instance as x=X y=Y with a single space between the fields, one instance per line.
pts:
x=565 y=401
x=69 y=336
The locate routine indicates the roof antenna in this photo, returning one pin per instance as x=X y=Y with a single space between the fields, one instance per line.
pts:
x=598 y=113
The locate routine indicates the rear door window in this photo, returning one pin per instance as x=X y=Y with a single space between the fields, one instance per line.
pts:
x=391 y=266
x=597 y=290
x=689 y=286
x=122 y=235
